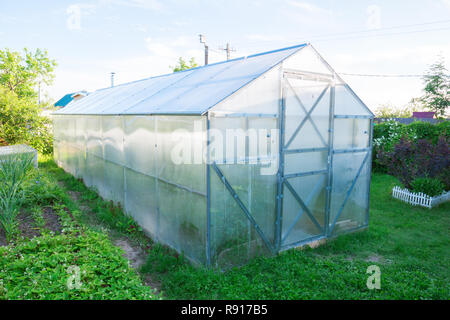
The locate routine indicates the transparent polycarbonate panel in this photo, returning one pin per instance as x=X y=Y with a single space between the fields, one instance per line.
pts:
x=113 y=182
x=345 y=169
x=181 y=142
x=297 y=224
x=262 y=96
x=228 y=139
x=304 y=98
x=62 y=154
x=95 y=173
x=305 y=161
x=112 y=137
x=94 y=144
x=182 y=220
x=140 y=144
x=234 y=240
x=80 y=132
x=351 y=133
x=189 y=92
x=71 y=159
x=142 y=91
x=346 y=102
x=141 y=201
x=249 y=161
x=263 y=140
x=57 y=151
x=306 y=60
x=70 y=130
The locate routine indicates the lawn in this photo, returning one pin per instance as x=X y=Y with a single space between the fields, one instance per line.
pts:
x=409 y=244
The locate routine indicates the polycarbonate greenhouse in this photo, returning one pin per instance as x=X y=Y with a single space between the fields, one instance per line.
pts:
x=231 y=160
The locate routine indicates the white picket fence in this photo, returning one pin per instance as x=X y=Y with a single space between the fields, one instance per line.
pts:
x=419 y=199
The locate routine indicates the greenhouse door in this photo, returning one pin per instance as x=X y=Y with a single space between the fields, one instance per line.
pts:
x=304 y=156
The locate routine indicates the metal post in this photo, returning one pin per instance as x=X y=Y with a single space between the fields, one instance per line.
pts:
x=208 y=195
x=281 y=125
x=206 y=54
x=371 y=123
x=330 y=159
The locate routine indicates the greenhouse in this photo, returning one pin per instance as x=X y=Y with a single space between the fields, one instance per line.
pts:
x=228 y=161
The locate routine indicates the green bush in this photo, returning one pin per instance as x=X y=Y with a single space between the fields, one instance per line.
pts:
x=429 y=186
x=21 y=122
x=387 y=135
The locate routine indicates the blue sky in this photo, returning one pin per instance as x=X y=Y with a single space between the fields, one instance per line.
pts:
x=141 y=38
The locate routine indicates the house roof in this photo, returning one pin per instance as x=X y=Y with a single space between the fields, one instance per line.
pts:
x=65 y=100
x=192 y=91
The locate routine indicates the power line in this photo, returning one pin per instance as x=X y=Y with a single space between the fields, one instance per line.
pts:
x=341 y=36
x=364 y=31
x=382 y=75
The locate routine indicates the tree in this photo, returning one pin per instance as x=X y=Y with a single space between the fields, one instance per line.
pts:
x=437 y=88
x=20 y=115
x=182 y=65
x=22 y=73
x=21 y=122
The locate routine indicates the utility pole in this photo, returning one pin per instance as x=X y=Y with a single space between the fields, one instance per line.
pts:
x=228 y=50
x=203 y=40
x=112 y=79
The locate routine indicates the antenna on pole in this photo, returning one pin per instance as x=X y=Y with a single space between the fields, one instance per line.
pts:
x=228 y=49
x=112 y=79
x=203 y=40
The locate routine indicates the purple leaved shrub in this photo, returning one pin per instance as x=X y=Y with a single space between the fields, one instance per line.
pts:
x=422 y=159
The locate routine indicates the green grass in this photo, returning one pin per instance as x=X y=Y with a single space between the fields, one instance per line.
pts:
x=409 y=244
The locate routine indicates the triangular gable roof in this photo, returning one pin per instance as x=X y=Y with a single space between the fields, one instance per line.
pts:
x=192 y=91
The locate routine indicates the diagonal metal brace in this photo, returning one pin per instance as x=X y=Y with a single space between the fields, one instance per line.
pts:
x=349 y=192
x=243 y=207
x=307 y=116
x=303 y=205
x=300 y=213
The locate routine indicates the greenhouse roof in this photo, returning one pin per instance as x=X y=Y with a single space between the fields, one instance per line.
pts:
x=192 y=91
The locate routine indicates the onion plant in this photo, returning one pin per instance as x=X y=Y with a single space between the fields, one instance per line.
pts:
x=14 y=170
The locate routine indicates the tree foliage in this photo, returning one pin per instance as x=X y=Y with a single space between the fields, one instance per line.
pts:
x=22 y=73
x=437 y=88
x=21 y=119
x=183 y=65
x=21 y=122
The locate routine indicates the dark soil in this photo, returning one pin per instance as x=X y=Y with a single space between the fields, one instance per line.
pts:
x=51 y=220
x=2 y=238
x=28 y=228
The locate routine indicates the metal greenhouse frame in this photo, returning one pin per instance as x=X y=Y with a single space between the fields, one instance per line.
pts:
x=228 y=161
